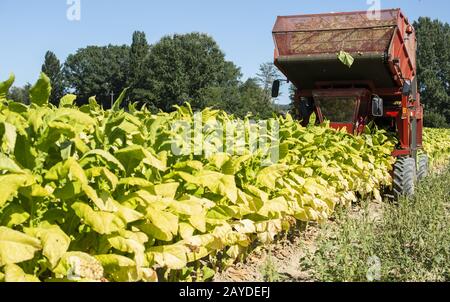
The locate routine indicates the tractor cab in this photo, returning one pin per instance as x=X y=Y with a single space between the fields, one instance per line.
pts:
x=345 y=108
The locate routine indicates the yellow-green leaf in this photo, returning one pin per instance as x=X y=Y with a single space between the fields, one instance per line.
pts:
x=101 y=222
x=40 y=92
x=54 y=241
x=13 y=273
x=16 y=247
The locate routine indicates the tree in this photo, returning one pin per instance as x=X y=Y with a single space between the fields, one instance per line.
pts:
x=53 y=69
x=179 y=67
x=138 y=53
x=433 y=68
x=98 y=71
x=434 y=119
x=20 y=94
x=225 y=98
x=241 y=100
x=268 y=73
x=254 y=98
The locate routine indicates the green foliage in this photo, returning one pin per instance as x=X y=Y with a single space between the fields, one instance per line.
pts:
x=433 y=72
x=4 y=86
x=434 y=119
x=346 y=58
x=179 y=66
x=410 y=240
x=98 y=71
x=53 y=69
x=269 y=270
x=89 y=193
x=437 y=145
x=20 y=94
x=138 y=53
x=245 y=99
x=40 y=92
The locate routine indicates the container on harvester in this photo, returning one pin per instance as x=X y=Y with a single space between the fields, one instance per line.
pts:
x=380 y=85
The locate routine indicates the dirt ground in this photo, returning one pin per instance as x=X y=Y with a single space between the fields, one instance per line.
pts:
x=285 y=254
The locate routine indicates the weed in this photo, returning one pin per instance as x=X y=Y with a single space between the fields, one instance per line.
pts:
x=409 y=242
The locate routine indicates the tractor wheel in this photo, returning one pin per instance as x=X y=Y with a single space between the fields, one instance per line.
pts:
x=423 y=167
x=405 y=175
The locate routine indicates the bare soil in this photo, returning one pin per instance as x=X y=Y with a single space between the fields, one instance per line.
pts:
x=285 y=254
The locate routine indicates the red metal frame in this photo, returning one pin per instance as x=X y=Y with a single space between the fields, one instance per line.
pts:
x=400 y=57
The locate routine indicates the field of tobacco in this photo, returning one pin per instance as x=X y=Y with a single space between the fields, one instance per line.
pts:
x=88 y=194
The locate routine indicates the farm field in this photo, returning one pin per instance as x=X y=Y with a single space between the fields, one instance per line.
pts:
x=125 y=195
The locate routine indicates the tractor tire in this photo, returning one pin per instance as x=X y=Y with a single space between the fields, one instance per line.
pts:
x=405 y=176
x=423 y=167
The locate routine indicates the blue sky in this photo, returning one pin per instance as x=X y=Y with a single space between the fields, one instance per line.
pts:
x=241 y=27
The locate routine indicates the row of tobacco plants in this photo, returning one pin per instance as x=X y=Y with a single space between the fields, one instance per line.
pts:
x=88 y=194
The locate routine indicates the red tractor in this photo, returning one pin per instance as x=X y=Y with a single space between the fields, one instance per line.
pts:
x=380 y=85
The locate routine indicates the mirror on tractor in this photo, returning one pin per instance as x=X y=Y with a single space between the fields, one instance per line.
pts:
x=407 y=88
x=276 y=88
x=377 y=106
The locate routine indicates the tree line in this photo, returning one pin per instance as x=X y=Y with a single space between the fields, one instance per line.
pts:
x=433 y=70
x=193 y=68
x=179 y=68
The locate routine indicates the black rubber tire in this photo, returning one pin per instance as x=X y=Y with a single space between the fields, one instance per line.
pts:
x=405 y=176
x=423 y=167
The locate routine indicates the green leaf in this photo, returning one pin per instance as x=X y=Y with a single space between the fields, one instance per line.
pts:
x=40 y=92
x=108 y=157
x=13 y=273
x=346 y=58
x=168 y=190
x=268 y=176
x=119 y=268
x=119 y=101
x=170 y=256
x=4 y=86
x=11 y=183
x=127 y=245
x=135 y=181
x=101 y=222
x=199 y=222
x=164 y=221
x=78 y=265
x=129 y=215
x=208 y=273
x=67 y=100
x=54 y=241
x=132 y=156
x=186 y=230
x=16 y=247
x=312 y=119
x=70 y=168
x=7 y=164
x=151 y=230
x=9 y=136
x=217 y=182
x=186 y=207
x=74 y=117
x=13 y=215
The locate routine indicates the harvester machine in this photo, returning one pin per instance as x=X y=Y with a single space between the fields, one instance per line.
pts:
x=376 y=83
